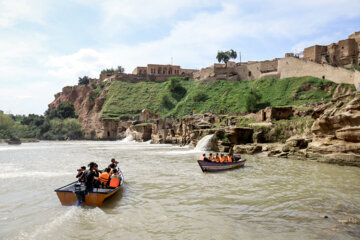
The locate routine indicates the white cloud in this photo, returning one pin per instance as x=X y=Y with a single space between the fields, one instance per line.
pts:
x=119 y=14
x=196 y=34
x=193 y=42
x=12 y=11
x=83 y=62
x=31 y=97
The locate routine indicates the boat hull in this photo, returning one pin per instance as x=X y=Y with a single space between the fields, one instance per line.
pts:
x=96 y=198
x=218 y=167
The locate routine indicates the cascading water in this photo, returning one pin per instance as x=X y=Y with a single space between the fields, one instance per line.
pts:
x=128 y=138
x=203 y=144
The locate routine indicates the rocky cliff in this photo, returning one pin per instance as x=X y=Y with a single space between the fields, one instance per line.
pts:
x=88 y=106
x=336 y=133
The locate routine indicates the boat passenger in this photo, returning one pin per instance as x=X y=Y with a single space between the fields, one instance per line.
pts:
x=204 y=158
x=222 y=159
x=113 y=163
x=211 y=157
x=90 y=177
x=216 y=158
x=80 y=175
x=230 y=157
x=114 y=179
x=105 y=177
x=226 y=159
x=97 y=176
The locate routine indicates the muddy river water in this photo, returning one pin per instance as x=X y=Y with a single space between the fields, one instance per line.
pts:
x=167 y=196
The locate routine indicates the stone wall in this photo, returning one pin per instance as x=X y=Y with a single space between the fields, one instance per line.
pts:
x=276 y=113
x=268 y=66
x=344 y=53
x=248 y=71
x=315 y=53
x=294 y=67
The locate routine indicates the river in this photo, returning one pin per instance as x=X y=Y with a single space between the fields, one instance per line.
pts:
x=167 y=196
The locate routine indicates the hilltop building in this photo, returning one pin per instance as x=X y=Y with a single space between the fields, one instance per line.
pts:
x=326 y=62
x=158 y=70
x=345 y=53
x=152 y=72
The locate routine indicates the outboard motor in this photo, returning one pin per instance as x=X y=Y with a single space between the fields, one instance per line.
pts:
x=79 y=191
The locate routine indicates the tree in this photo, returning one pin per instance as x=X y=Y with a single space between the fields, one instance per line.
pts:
x=251 y=101
x=120 y=69
x=6 y=121
x=65 y=110
x=226 y=56
x=72 y=129
x=84 y=80
x=107 y=70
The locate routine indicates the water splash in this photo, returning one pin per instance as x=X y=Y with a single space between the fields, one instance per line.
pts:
x=203 y=144
x=128 y=138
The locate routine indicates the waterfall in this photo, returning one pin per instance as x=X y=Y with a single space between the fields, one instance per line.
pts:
x=202 y=145
x=128 y=138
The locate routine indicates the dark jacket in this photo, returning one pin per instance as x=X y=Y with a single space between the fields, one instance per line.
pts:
x=89 y=178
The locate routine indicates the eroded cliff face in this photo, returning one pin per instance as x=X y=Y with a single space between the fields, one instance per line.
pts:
x=336 y=133
x=88 y=107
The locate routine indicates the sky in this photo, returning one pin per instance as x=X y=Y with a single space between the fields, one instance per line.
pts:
x=46 y=45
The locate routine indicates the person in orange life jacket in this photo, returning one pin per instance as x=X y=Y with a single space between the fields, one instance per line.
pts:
x=216 y=158
x=222 y=159
x=226 y=159
x=114 y=179
x=80 y=175
x=211 y=157
x=230 y=157
x=105 y=177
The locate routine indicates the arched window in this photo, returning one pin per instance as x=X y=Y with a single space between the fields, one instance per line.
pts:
x=170 y=71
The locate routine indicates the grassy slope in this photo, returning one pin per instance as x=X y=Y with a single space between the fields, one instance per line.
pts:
x=128 y=99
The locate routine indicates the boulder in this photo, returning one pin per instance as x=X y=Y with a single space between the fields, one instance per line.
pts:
x=247 y=149
x=294 y=143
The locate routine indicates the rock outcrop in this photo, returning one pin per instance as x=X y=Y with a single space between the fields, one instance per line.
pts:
x=336 y=134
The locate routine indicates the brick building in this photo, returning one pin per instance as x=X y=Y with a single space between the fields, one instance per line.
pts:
x=345 y=53
x=161 y=70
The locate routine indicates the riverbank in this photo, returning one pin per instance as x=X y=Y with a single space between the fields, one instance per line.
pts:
x=23 y=140
x=324 y=132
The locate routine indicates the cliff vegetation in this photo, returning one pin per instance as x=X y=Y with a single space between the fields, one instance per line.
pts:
x=180 y=96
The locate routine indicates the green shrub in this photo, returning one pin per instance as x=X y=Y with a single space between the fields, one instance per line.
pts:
x=165 y=101
x=200 y=97
x=84 y=80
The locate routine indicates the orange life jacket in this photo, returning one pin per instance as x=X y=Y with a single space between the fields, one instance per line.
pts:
x=210 y=158
x=226 y=159
x=114 y=180
x=222 y=159
x=230 y=158
x=216 y=159
x=104 y=177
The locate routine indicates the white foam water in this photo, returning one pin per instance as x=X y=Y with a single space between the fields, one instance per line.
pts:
x=128 y=138
x=203 y=144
